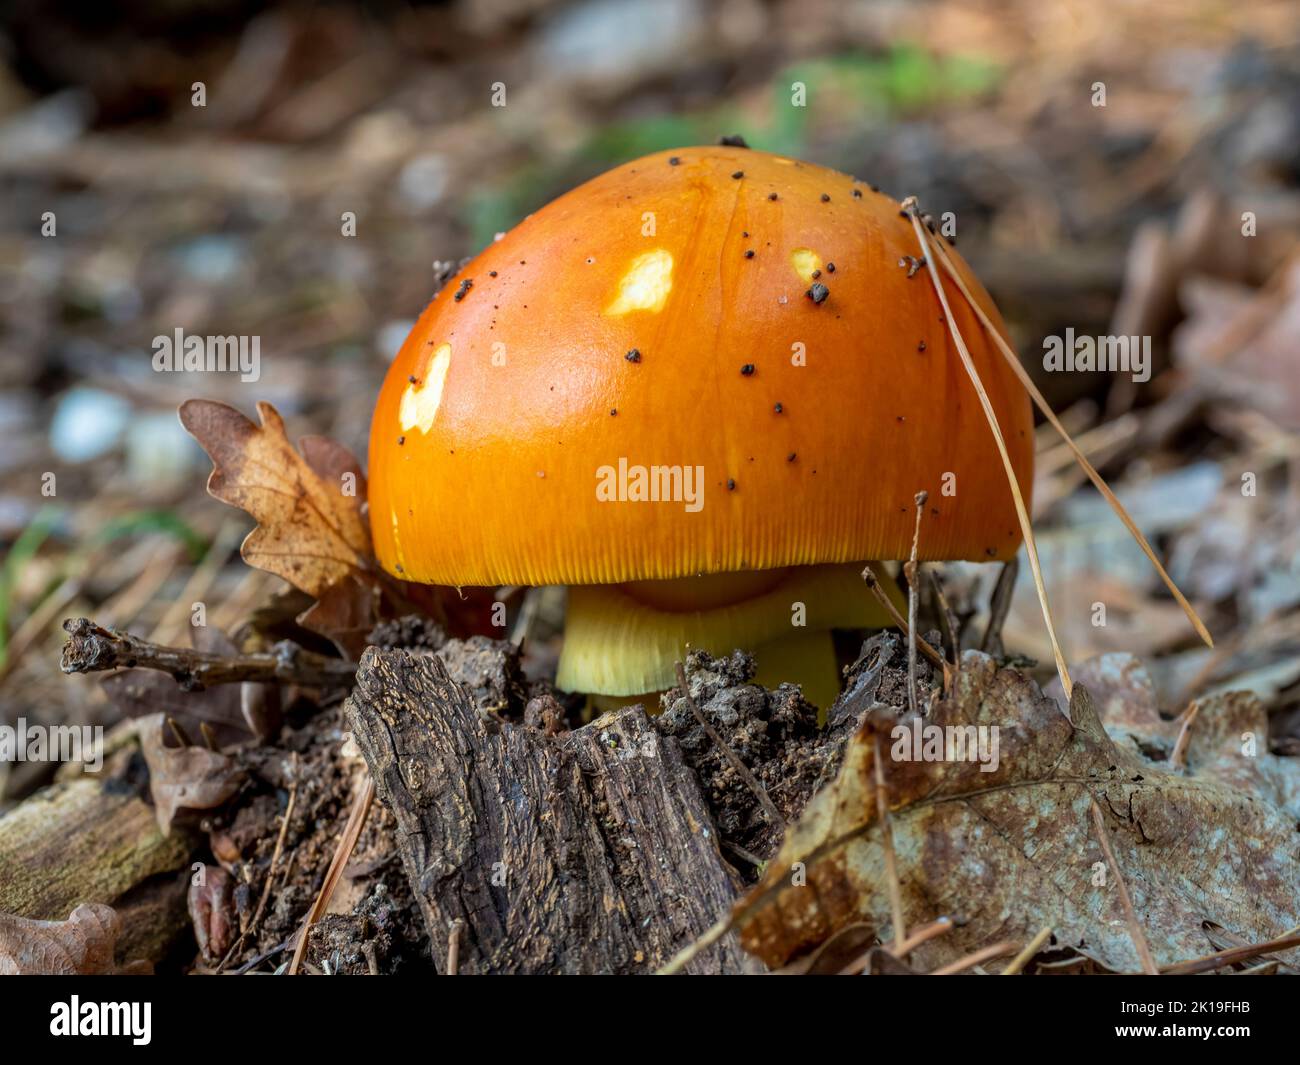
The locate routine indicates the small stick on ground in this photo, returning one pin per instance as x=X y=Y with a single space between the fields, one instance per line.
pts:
x=1178 y=756
x=347 y=843
x=683 y=957
x=901 y=950
x=270 y=876
x=913 y=570
x=887 y=835
x=999 y=607
x=178 y=733
x=1140 y=943
x=951 y=632
x=93 y=649
x=979 y=957
x=760 y=793
x=900 y=622
x=1030 y=949
x=453 y=947
x=1231 y=956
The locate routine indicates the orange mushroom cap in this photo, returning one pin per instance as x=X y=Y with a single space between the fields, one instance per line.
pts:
x=664 y=314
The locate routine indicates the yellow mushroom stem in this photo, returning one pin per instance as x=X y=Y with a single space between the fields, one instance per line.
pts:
x=623 y=639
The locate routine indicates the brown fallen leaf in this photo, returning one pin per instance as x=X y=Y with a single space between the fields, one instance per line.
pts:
x=1008 y=852
x=83 y=945
x=345 y=613
x=191 y=778
x=310 y=531
x=211 y=904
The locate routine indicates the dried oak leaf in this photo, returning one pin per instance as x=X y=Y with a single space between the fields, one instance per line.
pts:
x=83 y=945
x=310 y=530
x=1007 y=852
x=191 y=778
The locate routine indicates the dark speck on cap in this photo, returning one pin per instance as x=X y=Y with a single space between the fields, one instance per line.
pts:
x=818 y=293
x=674 y=160
x=737 y=174
x=634 y=355
x=748 y=369
x=735 y=140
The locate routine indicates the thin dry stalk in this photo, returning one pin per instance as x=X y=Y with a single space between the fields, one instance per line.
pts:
x=1139 y=938
x=453 y=947
x=1178 y=756
x=1000 y=606
x=921 y=935
x=1022 y=512
x=901 y=950
x=347 y=843
x=901 y=624
x=979 y=957
x=270 y=876
x=683 y=957
x=1231 y=956
x=1041 y=402
x=913 y=581
x=951 y=630
x=887 y=834
x=1030 y=949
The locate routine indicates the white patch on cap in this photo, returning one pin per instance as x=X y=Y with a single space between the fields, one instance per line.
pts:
x=397 y=541
x=646 y=284
x=421 y=399
x=805 y=261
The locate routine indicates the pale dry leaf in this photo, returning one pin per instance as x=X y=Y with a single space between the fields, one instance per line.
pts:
x=310 y=531
x=1239 y=343
x=83 y=945
x=1008 y=852
x=190 y=778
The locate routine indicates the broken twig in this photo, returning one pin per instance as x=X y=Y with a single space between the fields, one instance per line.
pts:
x=92 y=648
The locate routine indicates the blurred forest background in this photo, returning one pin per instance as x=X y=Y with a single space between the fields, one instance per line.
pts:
x=226 y=219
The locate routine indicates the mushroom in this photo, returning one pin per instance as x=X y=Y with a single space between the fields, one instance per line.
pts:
x=699 y=391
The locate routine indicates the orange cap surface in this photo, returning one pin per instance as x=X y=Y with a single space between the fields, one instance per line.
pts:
x=658 y=319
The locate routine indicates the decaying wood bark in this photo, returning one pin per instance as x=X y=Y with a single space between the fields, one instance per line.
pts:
x=590 y=852
x=95 y=840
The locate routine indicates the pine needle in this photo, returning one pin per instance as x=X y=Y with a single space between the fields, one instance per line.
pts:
x=347 y=843
x=1135 y=931
x=1026 y=526
x=1014 y=362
